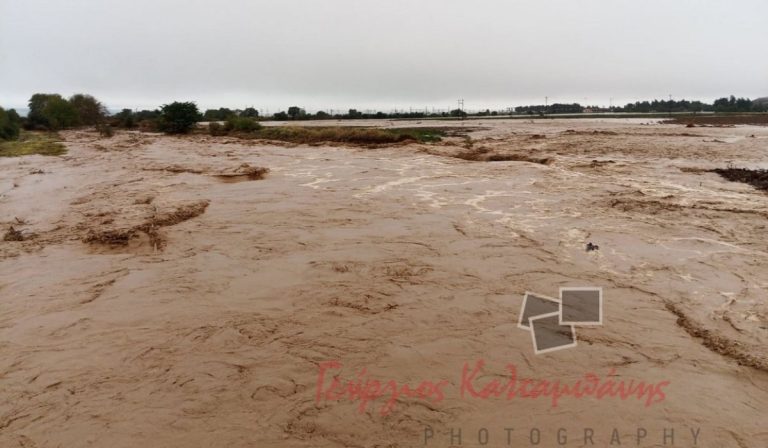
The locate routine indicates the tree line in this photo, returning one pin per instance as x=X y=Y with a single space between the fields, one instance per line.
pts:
x=54 y=112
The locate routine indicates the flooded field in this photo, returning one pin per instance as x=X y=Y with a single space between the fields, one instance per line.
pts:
x=186 y=291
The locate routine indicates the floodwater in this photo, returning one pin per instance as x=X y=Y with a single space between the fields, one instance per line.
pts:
x=155 y=302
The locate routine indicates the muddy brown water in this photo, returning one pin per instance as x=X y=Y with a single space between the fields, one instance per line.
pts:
x=405 y=261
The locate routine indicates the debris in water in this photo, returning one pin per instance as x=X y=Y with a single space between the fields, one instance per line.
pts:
x=592 y=247
x=13 y=235
x=757 y=178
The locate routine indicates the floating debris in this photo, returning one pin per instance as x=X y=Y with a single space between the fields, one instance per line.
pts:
x=13 y=235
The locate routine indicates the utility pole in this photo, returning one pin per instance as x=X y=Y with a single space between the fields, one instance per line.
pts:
x=461 y=108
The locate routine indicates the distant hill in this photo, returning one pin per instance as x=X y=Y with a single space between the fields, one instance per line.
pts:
x=761 y=101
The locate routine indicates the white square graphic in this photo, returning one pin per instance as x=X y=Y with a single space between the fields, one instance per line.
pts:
x=552 y=349
x=599 y=321
x=524 y=317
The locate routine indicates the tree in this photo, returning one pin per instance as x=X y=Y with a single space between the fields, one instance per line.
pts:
x=211 y=115
x=354 y=113
x=125 y=119
x=144 y=115
x=280 y=116
x=295 y=112
x=250 y=112
x=242 y=124
x=9 y=124
x=89 y=110
x=60 y=114
x=220 y=114
x=178 y=117
x=51 y=111
x=37 y=103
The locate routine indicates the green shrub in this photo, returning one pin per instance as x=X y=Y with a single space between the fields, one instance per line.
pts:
x=242 y=124
x=89 y=110
x=249 y=112
x=219 y=114
x=9 y=124
x=124 y=119
x=296 y=112
x=178 y=118
x=61 y=114
x=51 y=111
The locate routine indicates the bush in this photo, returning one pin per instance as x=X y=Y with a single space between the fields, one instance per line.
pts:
x=219 y=114
x=296 y=112
x=9 y=124
x=60 y=114
x=89 y=110
x=178 y=118
x=51 y=111
x=124 y=119
x=242 y=124
x=250 y=112
x=216 y=129
x=353 y=135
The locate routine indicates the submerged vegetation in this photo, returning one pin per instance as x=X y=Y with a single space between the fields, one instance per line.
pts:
x=756 y=178
x=315 y=135
x=296 y=134
x=43 y=143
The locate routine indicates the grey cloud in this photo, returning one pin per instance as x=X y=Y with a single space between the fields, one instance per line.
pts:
x=363 y=53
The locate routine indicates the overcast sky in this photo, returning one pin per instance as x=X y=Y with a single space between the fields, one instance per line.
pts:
x=382 y=53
